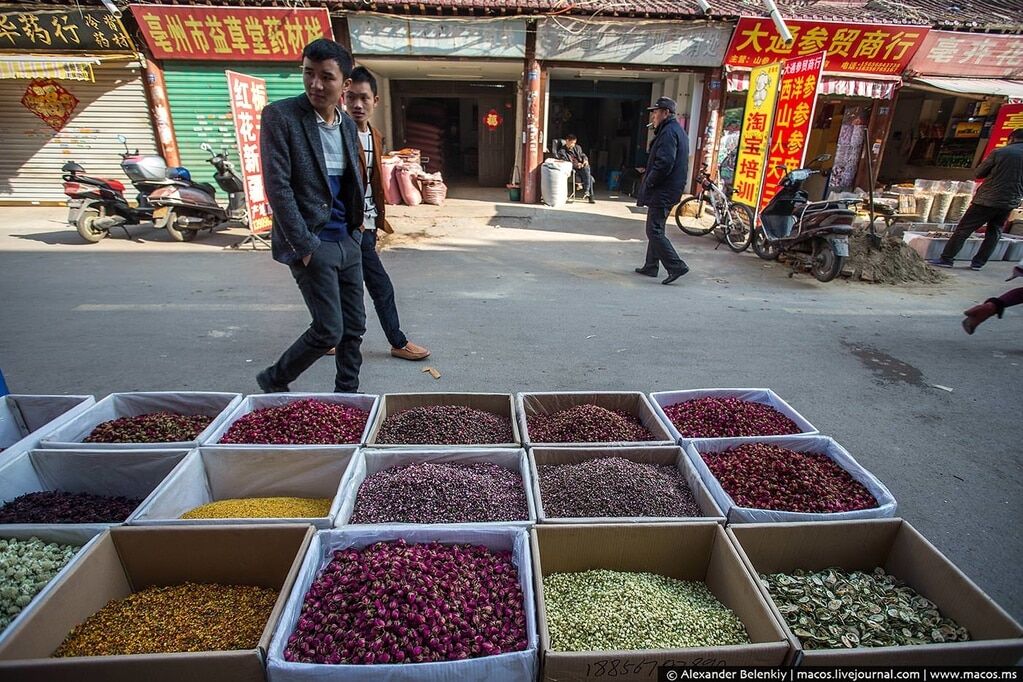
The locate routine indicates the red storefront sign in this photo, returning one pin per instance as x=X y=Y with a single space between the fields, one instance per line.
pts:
x=856 y=48
x=797 y=99
x=1010 y=117
x=231 y=34
x=248 y=97
x=969 y=55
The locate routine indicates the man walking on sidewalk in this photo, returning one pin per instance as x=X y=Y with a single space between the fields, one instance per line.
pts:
x=666 y=172
x=1001 y=192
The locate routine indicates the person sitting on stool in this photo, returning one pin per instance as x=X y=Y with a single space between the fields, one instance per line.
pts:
x=574 y=153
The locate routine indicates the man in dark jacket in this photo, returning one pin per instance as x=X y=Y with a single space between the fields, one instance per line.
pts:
x=573 y=153
x=1002 y=191
x=310 y=153
x=666 y=172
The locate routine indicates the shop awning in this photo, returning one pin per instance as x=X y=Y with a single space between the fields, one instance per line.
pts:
x=42 y=66
x=974 y=86
x=738 y=81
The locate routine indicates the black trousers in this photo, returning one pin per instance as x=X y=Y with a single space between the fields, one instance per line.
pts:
x=659 y=248
x=378 y=284
x=331 y=287
x=976 y=216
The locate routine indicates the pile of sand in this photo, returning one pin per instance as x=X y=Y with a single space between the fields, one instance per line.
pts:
x=893 y=263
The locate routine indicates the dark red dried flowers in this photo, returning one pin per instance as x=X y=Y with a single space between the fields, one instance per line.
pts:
x=764 y=476
x=155 y=427
x=445 y=425
x=303 y=422
x=728 y=418
x=586 y=424
x=55 y=506
x=393 y=602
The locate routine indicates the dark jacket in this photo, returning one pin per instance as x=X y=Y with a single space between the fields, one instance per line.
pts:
x=377 y=181
x=667 y=168
x=575 y=155
x=295 y=177
x=1002 y=173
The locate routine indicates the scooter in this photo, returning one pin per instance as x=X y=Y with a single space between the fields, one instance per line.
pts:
x=185 y=207
x=812 y=233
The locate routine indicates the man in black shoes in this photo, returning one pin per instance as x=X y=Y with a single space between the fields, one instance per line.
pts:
x=573 y=153
x=666 y=172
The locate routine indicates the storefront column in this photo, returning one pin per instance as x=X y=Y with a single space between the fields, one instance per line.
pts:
x=878 y=127
x=532 y=154
x=711 y=121
x=156 y=91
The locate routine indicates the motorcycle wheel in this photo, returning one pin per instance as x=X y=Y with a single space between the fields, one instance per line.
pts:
x=762 y=246
x=695 y=217
x=85 y=228
x=176 y=234
x=739 y=234
x=826 y=264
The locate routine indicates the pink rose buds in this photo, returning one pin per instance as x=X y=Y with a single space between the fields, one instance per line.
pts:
x=612 y=486
x=303 y=422
x=55 y=506
x=728 y=418
x=441 y=492
x=445 y=425
x=156 y=427
x=393 y=602
x=586 y=424
x=763 y=476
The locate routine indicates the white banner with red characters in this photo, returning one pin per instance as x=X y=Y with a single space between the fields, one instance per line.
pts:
x=248 y=97
x=797 y=99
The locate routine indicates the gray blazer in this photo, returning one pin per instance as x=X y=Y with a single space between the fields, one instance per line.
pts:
x=295 y=177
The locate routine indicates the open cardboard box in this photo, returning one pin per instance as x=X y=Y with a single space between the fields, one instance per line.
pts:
x=127 y=560
x=631 y=402
x=249 y=404
x=26 y=419
x=899 y=549
x=686 y=551
x=766 y=396
x=669 y=455
x=500 y=404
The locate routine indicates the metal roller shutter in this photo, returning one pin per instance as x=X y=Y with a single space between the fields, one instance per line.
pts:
x=201 y=107
x=33 y=152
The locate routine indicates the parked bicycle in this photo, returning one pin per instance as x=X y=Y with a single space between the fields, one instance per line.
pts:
x=712 y=210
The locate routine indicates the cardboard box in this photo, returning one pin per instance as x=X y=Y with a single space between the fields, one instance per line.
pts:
x=72 y=433
x=126 y=560
x=26 y=419
x=210 y=474
x=632 y=402
x=670 y=455
x=115 y=473
x=766 y=396
x=685 y=551
x=249 y=404
x=513 y=666
x=500 y=404
x=367 y=462
x=900 y=550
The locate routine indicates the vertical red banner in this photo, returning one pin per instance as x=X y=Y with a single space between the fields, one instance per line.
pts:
x=248 y=97
x=797 y=101
x=1010 y=117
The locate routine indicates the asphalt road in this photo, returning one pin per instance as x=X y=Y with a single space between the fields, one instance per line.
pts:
x=513 y=298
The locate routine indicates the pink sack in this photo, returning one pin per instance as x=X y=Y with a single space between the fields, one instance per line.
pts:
x=407 y=184
x=389 y=178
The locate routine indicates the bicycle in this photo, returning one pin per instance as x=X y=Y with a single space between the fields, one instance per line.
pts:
x=712 y=210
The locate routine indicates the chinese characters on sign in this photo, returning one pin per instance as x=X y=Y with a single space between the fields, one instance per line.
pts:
x=1010 y=117
x=797 y=99
x=756 y=132
x=859 y=48
x=65 y=30
x=50 y=102
x=251 y=33
x=977 y=55
x=248 y=97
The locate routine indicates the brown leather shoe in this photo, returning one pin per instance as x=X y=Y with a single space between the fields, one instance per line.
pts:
x=410 y=352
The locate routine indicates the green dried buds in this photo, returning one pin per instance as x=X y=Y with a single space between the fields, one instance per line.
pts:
x=26 y=566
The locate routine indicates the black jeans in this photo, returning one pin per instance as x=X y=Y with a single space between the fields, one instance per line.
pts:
x=975 y=216
x=380 y=289
x=331 y=287
x=659 y=247
x=584 y=177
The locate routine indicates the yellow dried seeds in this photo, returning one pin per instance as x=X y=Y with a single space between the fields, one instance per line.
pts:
x=263 y=508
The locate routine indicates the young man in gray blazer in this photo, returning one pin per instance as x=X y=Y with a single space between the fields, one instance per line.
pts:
x=310 y=152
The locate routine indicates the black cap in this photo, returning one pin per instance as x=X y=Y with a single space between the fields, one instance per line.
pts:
x=663 y=103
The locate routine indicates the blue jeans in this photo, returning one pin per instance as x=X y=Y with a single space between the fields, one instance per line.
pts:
x=380 y=289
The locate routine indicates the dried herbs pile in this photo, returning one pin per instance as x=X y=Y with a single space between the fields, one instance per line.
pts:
x=156 y=427
x=394 y=602
x=613 y=486
x=55 y=506
x=188 y=617
x=605 y=610
x=728 y=418
x=445 y=425
x=586 y=424
x=26 y=566
x=441 y=492
x=835 y=609
x=303 y=422
x=262 y=508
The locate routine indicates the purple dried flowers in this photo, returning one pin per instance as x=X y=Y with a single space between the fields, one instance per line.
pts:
x=587 y=424
x=441 y=492
x=155 y=427
x=728 y=418
x=445 y=425
x=303 y=422
x=613 y=486
x=393 y=602
x=55 y=506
